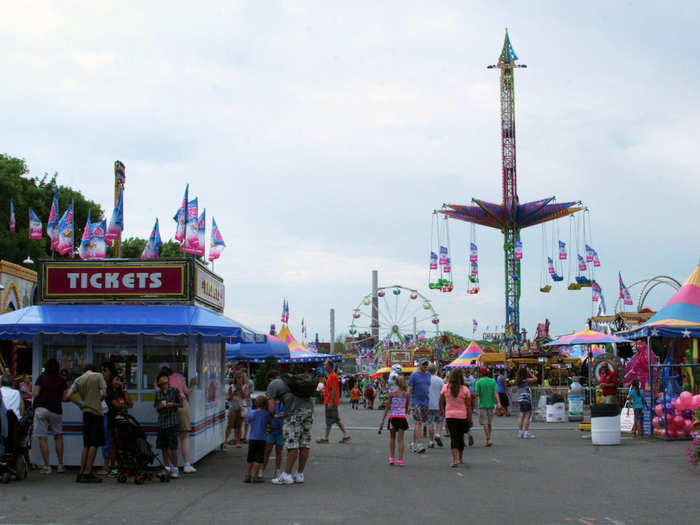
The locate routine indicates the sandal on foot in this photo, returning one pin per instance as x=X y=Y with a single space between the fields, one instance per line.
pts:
x=322 y=441
x=345 y=439
x=258 y=480
x=247 y=479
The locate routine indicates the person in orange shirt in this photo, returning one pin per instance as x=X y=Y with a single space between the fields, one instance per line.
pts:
x=331 y=399
x=355 y=395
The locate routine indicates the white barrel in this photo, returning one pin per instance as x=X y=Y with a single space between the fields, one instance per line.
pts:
x=605 y=430
x=556 y=413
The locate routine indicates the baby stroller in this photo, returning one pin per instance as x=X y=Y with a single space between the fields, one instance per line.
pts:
x=14 y=460
x=133 y=452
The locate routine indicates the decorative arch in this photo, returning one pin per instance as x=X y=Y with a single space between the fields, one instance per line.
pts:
x=11 y=301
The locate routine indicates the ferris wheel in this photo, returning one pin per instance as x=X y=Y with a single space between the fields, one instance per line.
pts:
x=400 y=312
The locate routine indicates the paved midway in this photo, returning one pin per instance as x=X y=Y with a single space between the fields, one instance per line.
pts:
x=557 y=478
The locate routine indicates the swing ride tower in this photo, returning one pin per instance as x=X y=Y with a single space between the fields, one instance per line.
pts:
x=510 y=216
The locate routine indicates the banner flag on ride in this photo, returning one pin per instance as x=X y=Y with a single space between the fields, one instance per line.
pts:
x=589 y=254
x=52 y=223
x=597 y=296
x=473 y=252
x=433 y=261
x=550 y=263
x=518 y=250
x=152 y=248
x=217 y=244
x=581 y=263
x=35 y=230
x=13 y=222
x=116 y=223
x=562 y=251
x=443 y=255
x=596 y=261
x=474 y=326
x=180 y=217
x=66 y=232
x=475 y=269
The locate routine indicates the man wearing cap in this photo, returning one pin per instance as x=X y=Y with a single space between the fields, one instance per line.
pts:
x=419 y=389
x=485 y=390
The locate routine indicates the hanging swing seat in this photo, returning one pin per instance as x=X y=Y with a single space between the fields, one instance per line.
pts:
x=434 y=286
x=546 y=288
x=574 y=286
x=583 y=281
x=473 y=291
x=473 y=279
x=556 y=277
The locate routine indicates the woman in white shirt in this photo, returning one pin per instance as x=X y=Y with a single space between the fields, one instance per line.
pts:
x=11 y=396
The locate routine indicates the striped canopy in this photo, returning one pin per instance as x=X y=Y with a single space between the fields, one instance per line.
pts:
x=587 y=337
x=294 y=346
x=299 y=353
x=680 y=316
x=471 y=353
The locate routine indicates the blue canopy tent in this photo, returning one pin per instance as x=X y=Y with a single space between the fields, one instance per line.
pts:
x=119 y=319
x=304 y=356
x=256 y=352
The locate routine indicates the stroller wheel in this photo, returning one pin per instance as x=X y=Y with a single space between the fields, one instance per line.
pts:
x=21 y=468
x=121 y=478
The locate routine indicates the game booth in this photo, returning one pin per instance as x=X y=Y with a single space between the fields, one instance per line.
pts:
x=141 y=315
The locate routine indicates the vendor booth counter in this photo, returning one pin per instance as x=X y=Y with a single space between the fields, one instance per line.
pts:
x=140 y=330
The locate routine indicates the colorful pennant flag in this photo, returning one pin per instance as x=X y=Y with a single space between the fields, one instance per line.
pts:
x=216 y=245
x=581 y=263
x=98 y=245
x=624 y=292
x=35 y=229
x=192 y=229
x=66 y=232
x=116 y=223
x=84 y=239
x=13 y=222
x=285 y=311
x=597 y=296
x=180 y=217
x=52 y=223
x=201 y=231
x=152 y=248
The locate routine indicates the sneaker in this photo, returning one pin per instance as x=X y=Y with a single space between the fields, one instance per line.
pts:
x=412 y=447
x=391 y=461
x=470 y=440
x=438 y=440
x=420 y=448
x=299 y=477
x=60 y=469
x=431 y=444
x=189 y=469
x=45 y=470
x=527 y=435
x=91 y=478
x=489 y=443
x=283 y=479
x=174 y=472
x=521 y=434
x=114 y=473
x=399 y=463
x=277 y=473
x=165 y=472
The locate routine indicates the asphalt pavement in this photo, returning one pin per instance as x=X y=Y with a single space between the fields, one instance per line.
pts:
x=556 y=478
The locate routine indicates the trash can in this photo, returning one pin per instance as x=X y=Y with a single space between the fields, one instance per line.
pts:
x=556 y=409
x=605 y=424
x=575 y=400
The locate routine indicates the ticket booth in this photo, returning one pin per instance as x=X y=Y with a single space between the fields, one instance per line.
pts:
x=140 y=315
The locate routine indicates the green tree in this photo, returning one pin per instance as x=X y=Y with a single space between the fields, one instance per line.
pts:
x=32 y=192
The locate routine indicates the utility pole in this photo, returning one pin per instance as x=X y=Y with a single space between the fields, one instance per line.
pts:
x=332 y=331
x=375 y=307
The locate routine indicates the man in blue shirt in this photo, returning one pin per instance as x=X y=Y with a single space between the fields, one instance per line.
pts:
x=419 y=388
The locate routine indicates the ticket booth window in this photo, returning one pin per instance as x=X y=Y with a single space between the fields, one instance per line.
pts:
x=163 y=350
x=70 y=351
x=122 y=350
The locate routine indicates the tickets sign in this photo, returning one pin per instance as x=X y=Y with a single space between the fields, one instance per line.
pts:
x=115 y=281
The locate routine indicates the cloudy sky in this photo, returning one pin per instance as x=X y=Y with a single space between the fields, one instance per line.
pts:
x=321 y=135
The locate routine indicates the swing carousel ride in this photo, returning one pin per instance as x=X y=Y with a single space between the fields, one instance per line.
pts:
x=510 y=217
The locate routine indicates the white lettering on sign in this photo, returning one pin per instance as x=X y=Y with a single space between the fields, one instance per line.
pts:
x=108 y=280
x=155 y=280
x=111 y=280
x=95 y=280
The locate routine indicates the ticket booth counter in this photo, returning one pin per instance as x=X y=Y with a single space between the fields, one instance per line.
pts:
x=139 y=339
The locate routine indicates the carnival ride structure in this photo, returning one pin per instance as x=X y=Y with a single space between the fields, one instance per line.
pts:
x=510 y=216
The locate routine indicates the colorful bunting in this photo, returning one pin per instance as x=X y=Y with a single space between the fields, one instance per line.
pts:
x=152 y=248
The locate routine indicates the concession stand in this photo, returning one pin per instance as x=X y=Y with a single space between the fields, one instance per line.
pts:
x=141 y=315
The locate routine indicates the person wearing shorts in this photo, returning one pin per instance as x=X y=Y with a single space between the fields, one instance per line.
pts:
x=435 y=418
x=296 y=429
x=275 y=438
x=48 y=412
x=92 y=389
x=419 y=389
x=486 y=391
x=331 y=398
x=501 y=381
x=523 y=379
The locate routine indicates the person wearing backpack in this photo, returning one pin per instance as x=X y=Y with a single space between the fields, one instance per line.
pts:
x=295 y=393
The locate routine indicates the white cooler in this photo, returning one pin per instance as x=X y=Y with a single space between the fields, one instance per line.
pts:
x=556 y=413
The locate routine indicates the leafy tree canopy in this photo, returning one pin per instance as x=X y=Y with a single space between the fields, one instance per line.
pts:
x=33 y=192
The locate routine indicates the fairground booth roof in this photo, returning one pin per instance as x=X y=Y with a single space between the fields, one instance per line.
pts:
x=680 y=316
x=468 y=358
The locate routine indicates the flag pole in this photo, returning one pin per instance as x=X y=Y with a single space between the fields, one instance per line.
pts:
x=119 y=179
